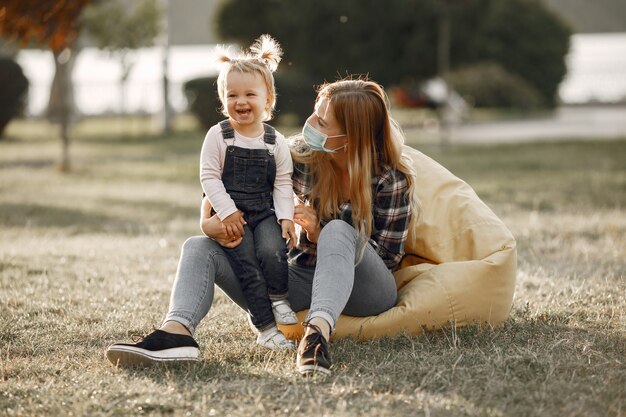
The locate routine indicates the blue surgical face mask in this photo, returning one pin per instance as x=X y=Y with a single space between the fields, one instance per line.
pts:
x=316 y=139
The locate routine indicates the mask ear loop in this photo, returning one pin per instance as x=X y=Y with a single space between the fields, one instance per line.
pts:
x=344 y=147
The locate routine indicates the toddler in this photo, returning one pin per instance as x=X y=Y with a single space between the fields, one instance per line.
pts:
x=245 y=171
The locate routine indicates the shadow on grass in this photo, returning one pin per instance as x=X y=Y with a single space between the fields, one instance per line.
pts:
x=79 y=221
x=197 y=380
x=528 y=364
x=182 y=373
x=164 y=210
x=35 y=215
x=28 y=163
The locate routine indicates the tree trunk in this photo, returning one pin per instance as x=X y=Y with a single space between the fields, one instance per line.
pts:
x=125 y=68
x=61 y=104
x=166 y=124
x=443 y=68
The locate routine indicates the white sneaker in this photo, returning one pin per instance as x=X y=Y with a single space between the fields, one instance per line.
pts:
x=283 y=314
x=274 y=340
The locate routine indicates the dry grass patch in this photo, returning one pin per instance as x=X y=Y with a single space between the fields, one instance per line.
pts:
x=89 y=258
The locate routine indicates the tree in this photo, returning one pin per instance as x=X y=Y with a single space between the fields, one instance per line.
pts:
x=53 y=23
x=395 y=42
x=13 y=89
x=119 y=30
x=327 y=39
x=528 y=41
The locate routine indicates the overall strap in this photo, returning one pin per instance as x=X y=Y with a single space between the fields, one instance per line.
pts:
x=227 y=130
x=269 y=136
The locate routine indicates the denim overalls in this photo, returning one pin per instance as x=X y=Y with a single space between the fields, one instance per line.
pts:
x=260 y=260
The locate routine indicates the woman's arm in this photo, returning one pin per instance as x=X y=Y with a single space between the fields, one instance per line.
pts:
x=392 y=215
x=211 y=226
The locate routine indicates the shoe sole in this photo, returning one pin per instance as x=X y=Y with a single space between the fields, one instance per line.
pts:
x=282 y=320
x=132 y=356
x=290 y=322
x=310 y=370
x=278 y=348
x=273 y=346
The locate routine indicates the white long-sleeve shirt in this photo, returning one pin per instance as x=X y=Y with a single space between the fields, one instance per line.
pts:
x=212 y=159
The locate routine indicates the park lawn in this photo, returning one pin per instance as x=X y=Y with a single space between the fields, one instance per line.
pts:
x=88 y=258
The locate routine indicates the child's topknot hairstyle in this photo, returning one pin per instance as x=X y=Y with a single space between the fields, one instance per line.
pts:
x=263 y=58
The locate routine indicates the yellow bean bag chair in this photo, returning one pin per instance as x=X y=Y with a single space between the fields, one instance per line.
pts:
x=459 y=269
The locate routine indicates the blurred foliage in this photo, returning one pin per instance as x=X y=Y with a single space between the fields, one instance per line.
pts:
x=13 y=88
x=296 y=96
x=527 y=40
x=201 y=94
x=489 y=85
x=395 y=42
x=116 y=27
x=51 y=22
x=55 y=23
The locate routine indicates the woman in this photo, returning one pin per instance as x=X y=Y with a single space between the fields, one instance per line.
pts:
x=356 y=202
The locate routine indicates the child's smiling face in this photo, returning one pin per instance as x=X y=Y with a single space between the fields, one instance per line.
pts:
x=247 y=98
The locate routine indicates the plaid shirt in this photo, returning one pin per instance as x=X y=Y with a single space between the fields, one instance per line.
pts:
x=391 y=214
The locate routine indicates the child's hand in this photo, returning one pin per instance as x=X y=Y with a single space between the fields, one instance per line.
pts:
x=289 y=233
x=233 y=225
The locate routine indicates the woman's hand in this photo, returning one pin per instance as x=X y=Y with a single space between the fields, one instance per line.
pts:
x=212 y=227
x=306 y=217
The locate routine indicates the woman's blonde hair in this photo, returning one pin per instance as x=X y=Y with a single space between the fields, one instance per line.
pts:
x=361 y=108
x=263 y=58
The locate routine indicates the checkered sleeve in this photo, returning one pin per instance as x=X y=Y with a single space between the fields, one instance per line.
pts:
x=301 y=178
x=305 y=254
x=392 y=213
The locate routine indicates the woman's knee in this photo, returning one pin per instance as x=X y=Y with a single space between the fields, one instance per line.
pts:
x=337 y=226
x=337 y=231
x=338 y=223
x=198 y=244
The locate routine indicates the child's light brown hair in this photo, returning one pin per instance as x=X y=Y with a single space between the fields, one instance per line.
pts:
x=262 y=58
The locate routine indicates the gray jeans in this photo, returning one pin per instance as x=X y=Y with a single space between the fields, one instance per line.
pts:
x=337 y=284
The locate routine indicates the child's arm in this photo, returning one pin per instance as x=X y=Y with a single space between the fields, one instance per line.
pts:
x=289 y=232
x=211 y=166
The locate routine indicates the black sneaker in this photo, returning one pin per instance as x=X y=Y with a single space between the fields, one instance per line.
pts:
x=158 y=346
x=313 y=356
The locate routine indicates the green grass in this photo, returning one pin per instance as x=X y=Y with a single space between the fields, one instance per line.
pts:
x=88 y=258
